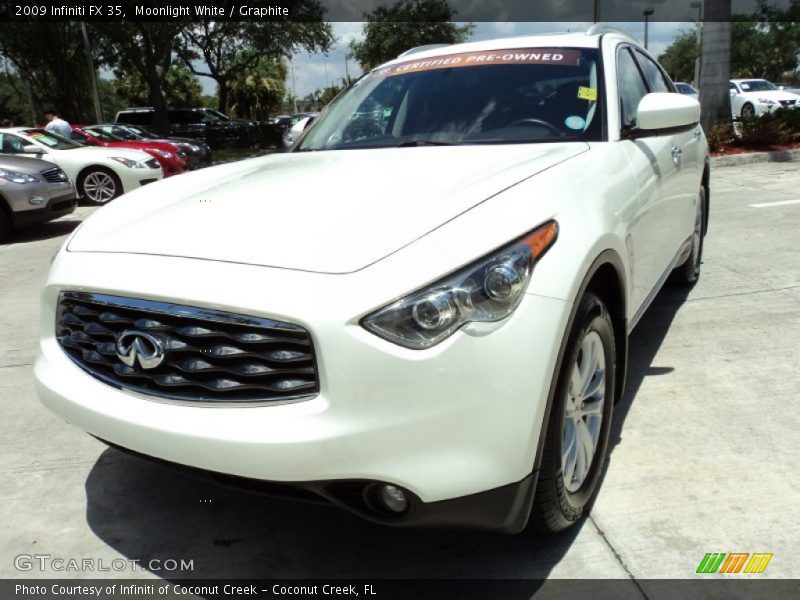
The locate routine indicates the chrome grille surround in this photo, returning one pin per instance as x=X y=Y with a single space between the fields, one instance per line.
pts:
x=210 y=357
x=54 y=175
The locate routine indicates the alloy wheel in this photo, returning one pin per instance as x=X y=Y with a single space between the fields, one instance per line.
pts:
x=99 y=187
x=583 y=412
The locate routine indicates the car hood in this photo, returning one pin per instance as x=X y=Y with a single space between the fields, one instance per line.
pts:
x=23 y=164
x=776 y=95
x=95 y=152
x=327 y=212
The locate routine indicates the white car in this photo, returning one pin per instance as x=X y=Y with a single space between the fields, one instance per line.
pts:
x=754 y=97
x=422 y=319
x=100 y=174
x=688 y=89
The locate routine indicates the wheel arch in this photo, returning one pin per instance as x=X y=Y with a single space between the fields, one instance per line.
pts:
x=605 y=278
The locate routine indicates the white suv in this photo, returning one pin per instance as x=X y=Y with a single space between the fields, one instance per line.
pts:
x=420 y=314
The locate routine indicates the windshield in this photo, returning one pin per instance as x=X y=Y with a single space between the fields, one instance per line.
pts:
x=51 y=140
x=500 y=96
x=102 y=135
x=757 y=85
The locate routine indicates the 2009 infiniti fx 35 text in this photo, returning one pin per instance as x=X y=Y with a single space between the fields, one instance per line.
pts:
x=421 y=312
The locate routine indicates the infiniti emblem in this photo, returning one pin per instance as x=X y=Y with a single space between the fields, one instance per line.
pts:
x=133 y=346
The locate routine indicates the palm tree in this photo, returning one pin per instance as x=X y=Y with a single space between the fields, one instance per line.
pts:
x=715 y=63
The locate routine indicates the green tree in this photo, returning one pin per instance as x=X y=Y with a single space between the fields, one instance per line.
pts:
x=51 y=59
x=391 y=30
x=319 y=98
x=13 y=104
x=228 y=50
x=181 y=88
x=679 y=57
x=258 y=92
x=144 y=48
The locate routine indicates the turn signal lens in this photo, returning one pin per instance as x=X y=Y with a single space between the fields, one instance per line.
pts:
x=488 y=290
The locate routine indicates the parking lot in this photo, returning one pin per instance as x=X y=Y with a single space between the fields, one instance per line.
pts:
x=703 y=454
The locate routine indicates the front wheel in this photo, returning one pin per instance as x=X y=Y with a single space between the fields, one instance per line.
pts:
x=576 y=439
x=99 y=185
x=748 y=110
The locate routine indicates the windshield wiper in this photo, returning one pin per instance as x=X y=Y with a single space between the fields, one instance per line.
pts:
x=412 y=143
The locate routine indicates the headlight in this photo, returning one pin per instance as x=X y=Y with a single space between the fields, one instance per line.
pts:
x=15 y=177
x=766 y=101
x=131 y=164
x=164 y=153
x=488 y=290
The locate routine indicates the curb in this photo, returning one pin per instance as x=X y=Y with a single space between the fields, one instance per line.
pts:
x=750 y=158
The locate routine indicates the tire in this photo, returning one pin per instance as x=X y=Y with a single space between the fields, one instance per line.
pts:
x=748 y=110
x=689 y=272
x=99 y=185
x=567 y=485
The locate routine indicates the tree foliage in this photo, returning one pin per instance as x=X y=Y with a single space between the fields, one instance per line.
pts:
x=679 y=58
x=764 y=45
x=258 y=92
x=391 y=30
x=51 y=57
x=181 y=88
x=146 y=49
x=225 y=48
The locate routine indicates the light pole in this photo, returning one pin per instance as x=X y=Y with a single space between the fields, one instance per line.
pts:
x=648 y=12
x=699 y=7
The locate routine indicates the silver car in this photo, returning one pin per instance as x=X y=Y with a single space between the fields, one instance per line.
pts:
x=32 y=191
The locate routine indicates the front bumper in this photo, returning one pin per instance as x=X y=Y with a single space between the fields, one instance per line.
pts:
x=54 y=208
x=456 y=420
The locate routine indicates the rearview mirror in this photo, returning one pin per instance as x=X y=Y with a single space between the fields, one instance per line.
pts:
x=661 y=110
x=32 y=149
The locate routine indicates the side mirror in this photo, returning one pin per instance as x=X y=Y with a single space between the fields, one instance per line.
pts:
x=32 y=149
x=661 y=110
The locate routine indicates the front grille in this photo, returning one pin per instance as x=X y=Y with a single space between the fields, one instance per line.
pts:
x=788 y=102
x=208 y=356
x=54 y=175
x=152 y=163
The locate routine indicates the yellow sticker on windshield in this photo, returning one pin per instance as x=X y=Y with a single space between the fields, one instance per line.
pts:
x=587 y=93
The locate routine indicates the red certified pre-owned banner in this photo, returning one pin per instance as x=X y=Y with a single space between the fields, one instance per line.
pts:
x=521 y=56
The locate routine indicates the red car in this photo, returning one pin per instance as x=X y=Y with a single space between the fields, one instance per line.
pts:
x=173 y=160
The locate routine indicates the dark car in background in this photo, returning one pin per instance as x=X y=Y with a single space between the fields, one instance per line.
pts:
x=186 y=122
x=220 y=116
x=32 y=191
x=197 y=151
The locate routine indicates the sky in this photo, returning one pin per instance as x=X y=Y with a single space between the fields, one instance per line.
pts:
x=313 y=71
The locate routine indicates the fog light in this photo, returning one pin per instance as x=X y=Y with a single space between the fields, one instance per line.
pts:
x=35 y=200
x=394 y=498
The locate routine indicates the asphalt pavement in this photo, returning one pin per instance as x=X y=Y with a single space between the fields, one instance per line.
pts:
x=704 y=454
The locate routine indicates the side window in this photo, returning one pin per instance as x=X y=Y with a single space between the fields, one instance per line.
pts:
x=631 y=87
x=11 y=144
x=655 y=78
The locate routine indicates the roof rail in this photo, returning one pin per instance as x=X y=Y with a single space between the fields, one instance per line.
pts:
x=599 y=28
x=422 y=49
